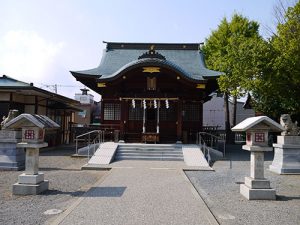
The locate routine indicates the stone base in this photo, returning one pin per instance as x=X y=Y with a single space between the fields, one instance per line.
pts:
x=281 y=170
x=30 y=189
x=11 y=157
x=286 y=155
x=14 y=166
x=257 y=148
x=257 y=194
x=30 y=179
x=257 y=183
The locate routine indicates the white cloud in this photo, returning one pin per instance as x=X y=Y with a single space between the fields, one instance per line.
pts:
x=26 y=56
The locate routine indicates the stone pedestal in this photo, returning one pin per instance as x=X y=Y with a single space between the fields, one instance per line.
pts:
x=31 y=182
x=256 y=187
x=11 y=156
x=286 y=155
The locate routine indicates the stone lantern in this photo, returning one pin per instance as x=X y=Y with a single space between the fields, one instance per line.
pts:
x=33 y=132
x=257 y=128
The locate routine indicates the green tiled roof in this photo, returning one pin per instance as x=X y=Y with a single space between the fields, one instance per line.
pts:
x=184 y=58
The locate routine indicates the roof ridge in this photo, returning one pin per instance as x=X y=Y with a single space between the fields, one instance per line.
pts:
x=152 y=45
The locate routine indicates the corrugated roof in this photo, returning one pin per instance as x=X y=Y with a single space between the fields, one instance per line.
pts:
x=11 y=82
x=8 y=83
x=188 y=60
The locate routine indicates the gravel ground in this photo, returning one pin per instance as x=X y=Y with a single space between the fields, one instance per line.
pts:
x=67 y=183
x=220 y=191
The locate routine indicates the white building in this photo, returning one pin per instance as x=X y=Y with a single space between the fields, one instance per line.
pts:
x=214 y=112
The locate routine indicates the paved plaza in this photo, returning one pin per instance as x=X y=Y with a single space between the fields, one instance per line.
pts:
x=141 y=192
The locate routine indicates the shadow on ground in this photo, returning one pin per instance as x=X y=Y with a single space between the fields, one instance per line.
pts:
x=286 y=198
x=58 y=192
x=106 y=192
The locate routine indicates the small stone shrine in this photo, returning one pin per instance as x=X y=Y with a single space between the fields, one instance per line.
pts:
x=256 y=186
x=287 y=149
x=11 y=157
x=33 y=130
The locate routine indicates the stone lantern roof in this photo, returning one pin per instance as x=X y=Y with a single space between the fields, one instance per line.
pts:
x=258 y=122
x=25 y=120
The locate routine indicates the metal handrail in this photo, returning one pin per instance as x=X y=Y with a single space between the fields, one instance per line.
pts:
x=200 y=140
x=94 y=146
x=100 y=137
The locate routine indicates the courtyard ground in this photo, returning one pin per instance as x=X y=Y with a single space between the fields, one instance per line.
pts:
x=219 y=189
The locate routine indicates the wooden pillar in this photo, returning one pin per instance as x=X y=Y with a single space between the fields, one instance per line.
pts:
x=10 y=102
x=201 y=116
x=144 y=117
x=36 y=104
x=157 y=118
x=47 y=108
x=123 y=119
x=102 y=111
x=179 y=120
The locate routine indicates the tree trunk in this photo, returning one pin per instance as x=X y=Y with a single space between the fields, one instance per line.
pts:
x=228 y=132
x=234 y=111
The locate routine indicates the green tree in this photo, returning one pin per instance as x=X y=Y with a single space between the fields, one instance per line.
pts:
x=231 y=49
x=277 y=88
x=286 y=65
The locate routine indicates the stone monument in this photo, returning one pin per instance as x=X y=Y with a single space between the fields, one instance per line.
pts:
x=33 y=130
x=287 y=149
x=11 y=157
x=256 y=186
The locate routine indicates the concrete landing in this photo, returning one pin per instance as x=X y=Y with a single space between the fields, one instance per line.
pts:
x=139 y=196
x=104 y=154
x=193 y=156
x=180 y=165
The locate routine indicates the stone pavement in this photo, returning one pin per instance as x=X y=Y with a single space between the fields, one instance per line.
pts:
x=140 y=195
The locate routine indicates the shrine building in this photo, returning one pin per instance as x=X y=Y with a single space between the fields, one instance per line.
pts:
x=152 y=92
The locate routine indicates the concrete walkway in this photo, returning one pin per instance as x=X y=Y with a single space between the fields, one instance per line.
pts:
x=139 y=196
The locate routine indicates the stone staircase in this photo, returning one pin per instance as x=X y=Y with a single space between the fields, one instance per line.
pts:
x=155 y=152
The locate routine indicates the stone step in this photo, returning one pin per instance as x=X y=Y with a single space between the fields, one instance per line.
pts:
x=147 y=148
x=161 y=152
x=150 y=145
x=150 y=150
x=149 y=154
x=149 y=158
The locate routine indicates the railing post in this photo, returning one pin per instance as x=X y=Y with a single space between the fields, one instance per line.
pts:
x=99 y=135
x=76 y=144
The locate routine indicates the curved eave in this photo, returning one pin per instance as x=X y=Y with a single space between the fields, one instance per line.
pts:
x=150 y=62
x=212 y=74
x=79 y=74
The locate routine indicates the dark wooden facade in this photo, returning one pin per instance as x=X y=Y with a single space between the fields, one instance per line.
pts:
x=151 y=98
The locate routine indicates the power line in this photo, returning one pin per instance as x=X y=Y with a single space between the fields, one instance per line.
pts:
x=53 y=87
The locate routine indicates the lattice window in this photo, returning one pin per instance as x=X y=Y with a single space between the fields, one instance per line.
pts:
x=135 y=113
x=112 y=111
x=191 y=112
x=167 y=114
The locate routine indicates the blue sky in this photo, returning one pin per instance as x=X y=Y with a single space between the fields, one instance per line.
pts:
x=42 y=40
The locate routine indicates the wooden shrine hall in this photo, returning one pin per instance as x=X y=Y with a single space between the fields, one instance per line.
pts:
x=152 y=92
